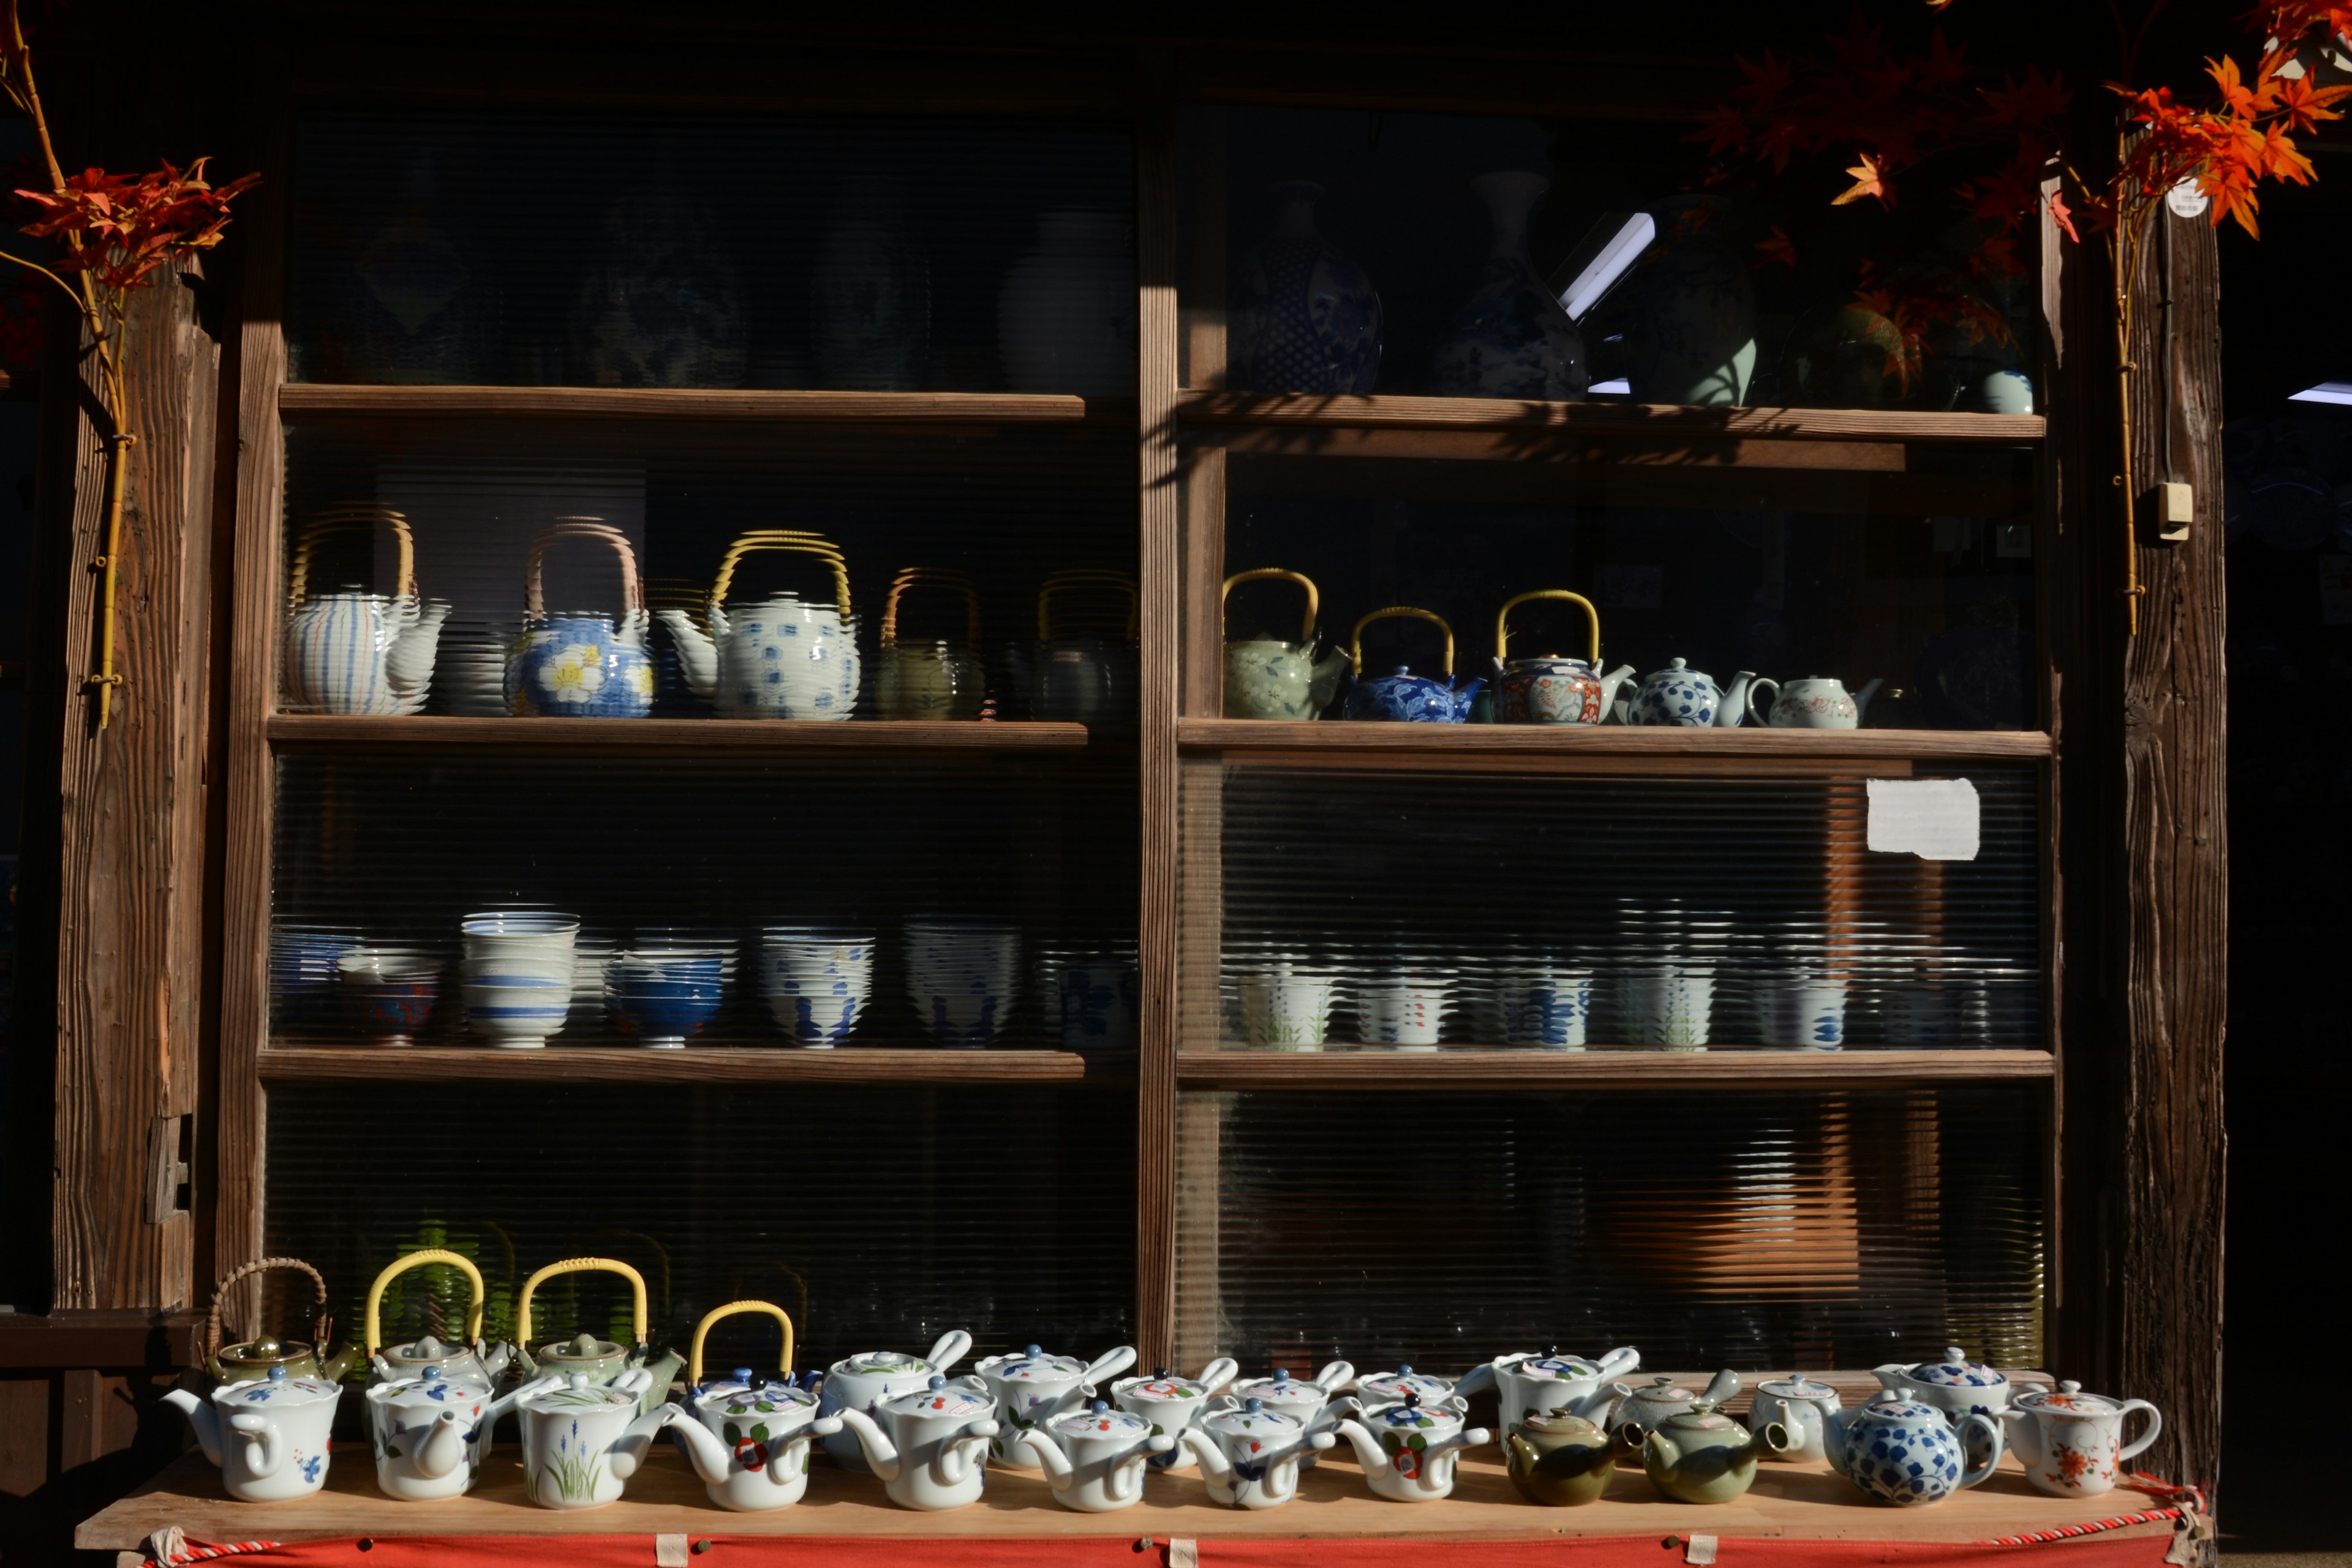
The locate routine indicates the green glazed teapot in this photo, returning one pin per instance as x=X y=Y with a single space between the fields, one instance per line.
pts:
x=254 y=1359
x=1560 y=1459
x=600 y=1361
x=1702 y=1455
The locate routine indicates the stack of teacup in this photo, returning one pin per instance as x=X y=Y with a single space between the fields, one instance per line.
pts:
x=519 y=974
x=962 y=978
x=390 y=992
x=665 y=995
x=817 y=979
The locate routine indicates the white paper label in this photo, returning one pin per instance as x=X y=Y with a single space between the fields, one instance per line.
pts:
x=1935 y=819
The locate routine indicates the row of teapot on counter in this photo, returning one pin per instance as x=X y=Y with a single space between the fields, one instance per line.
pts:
x=1267 y=677
x=589 y=1408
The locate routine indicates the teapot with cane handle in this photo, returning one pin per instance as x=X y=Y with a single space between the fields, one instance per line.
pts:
x=469 y=1357
x=783 y=657
x=600 y=1361
x=581 y=664
x=938 y=679
x=1402 y=697
x=256 y=1358
x=748 y=1435
x=1269 y=678
x=1549 y=688
x=1084 y=669
x=356 y=652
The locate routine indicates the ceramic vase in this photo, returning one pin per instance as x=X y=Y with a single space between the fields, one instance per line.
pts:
x=870 y=300
x=1303 y=317
x=1065 y=315
x=1690 y=322
x=420 y=312
x=661 y=303
x=1510 y=338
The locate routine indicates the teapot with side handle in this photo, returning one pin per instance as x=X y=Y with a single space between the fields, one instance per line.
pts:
x=1269 y=678
x=1408 y=1449
x=1400 y=696
x=1094 y=1458
x=1031 y=1386
x=929 y=1446
x=784 y=657
x=1171 y=1403
x=1816 y=702
x=1549 y=688
x=864 y=1381
x=267 y=1435
x=1531 y=1383
x=600 y=1361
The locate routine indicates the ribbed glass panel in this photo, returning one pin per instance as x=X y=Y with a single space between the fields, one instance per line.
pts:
x=389 y=851
x=1820 y=1230
x=622 y=248
x=874 y=1215
x=989 y=518
x=1913 y=585
x=1349 y=251
x=1610 y=911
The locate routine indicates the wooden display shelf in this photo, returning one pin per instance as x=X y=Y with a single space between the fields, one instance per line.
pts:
x=1569 y=742
x=706 y=736
x=1792 y=1501
x=696 y=1064
x=1600 y=1066
x=1396 y=413
x=302 y=401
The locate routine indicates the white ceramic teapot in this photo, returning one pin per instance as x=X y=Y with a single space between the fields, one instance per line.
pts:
x=1902 y=1452
x=473 y=1358
x=1802 y=1407
x=1529 y=1383
x=1648 y=1406
x=784 y=657
x=1031 y=1387
x=1408 y=1448
x=1250 y=1454
x=267 y=1435
x=431 y=1432
x=1816 y=702
x=1681 y=697
x=934 y=1453
x=1172 y=1404
x=1375 y=1389
x=581 y=1440
x=862 y=1382
x=1094 y=1458
x=1309 y=1399
x=748 y=1437
x=356 y=652
x=2071 y=1442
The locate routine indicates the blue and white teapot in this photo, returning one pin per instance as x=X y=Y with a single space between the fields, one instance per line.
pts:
x=352 y=651
x=784 y=657
x=1684 y=698
x=581 y=664
x=1404 y=697
x=1900 y=1451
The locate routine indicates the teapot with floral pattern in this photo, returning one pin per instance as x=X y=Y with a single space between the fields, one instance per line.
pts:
x=2071 y=1442
x=1402 y=697
x=748 y=1435
x=581 y=664
x=267 y=1435
x=1031 y=1386
x=600 y=1361
x=1551 y=690
x=1900 y=1451
x=1408 y=1448
x=1268 y=678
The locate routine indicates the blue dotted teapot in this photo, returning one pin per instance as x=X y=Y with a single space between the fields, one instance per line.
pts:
x=1404 y=697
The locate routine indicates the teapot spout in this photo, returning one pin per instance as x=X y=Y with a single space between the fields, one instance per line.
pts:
x=1325 y=676
x=202 y=1416
x=698 y=655
x=881 y=1457
x=629 y=1451
x=1048 y=1454
x=703 y=1449
x=1215 y=1469
x=442 y=1449
x=408 y=663
x=1368 y=1448
x=1862 y=698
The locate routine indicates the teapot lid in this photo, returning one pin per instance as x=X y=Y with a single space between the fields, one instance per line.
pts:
x=2069 y=1398
x=279 y=1388
x=1702 y=1417
x=1893 y=1409
x=1161 y=1384
x=1551 y=1364
x=434 y=1386
x=1797 y=1387
x=425 y=1348
x=587 y=1347
x=1281 y=1388
x=739 y=1397
x=1957 y=1371
x=941 y=1398
x=1392 y=1387
x=1032 y=1365
x=882 y=1364
x=577 y=1392
x=1409 y=1413
x=1100 y=1420
x=264 y=1351
x=1254 y=1416
x=1661 y=1391
x=1561 y=1422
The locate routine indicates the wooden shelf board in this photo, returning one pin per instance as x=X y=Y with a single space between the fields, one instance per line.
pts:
x=1792 y=1501
x=1610 y=418
x=1521 y=1068
x=719 y=1064
x=314 y=400
x=1614 y=740
x=698 y=735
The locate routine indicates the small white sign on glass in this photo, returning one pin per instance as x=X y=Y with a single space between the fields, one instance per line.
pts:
x=1936 y=819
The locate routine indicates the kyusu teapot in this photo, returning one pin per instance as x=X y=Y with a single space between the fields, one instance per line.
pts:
x=1900 y=1451
x=352 y=651
x=1549 y=688
x=1701 y=1455
x=1375 y=1389
x=747 y=1436
x=581 y=1440
x=1530 y=1383
x=784 y=657
x=600 y=1361
x=470 y=1358
x=1249 y=1455
x=1956 y=1385
x=1408 y=1448
x=1267 y=678
x=930 y=1446
x=1094 y=1458
x=864 y=1381
x=1816 y=702
x=581 y=664
x=1172 y=1404
x=267 y=1435
x=1648 y=1406
x=1309 y=1399
x=1804 y=1408
x=1030 y=1386
x=2071 y=1442
x=431 y=1430
x=1084 y=669
x=257 y=1358
x=938 y=679
x=1681 y=697
x=1560 y=1459
x=1402 y=697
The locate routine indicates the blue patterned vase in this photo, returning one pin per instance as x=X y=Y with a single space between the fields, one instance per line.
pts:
x=1304 y=317
x=1510 y=338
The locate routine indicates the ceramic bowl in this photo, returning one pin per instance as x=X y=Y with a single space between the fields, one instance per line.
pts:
x=817 y=982
x=664 y=999
x=519 y=1017
x=389 y=993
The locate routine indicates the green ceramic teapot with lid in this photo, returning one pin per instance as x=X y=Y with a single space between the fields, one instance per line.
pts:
x=600 y=1362
x=257 y=1357
x=1559 y=1458
x=1702 y=1455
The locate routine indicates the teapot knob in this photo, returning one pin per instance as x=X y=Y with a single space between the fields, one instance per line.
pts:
x=937 y=1382
x=430 y=1374
x=1159 y=1375
x=1033 y=1352
x=579 y=1380
x=1549 y=1352
x=1281 y=1375
x=277 y=1374
x=1101 y=1406
x=1253 y=1406
x=2070 y=1388
x=1412 y=1399
x=742 y=1375
x=1954 y=1355
x=1403 y=1370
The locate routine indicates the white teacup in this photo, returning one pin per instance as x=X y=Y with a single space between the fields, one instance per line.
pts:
x=817 y=983
x=1547 y=1004
x=1406 y=1010
x=1287 y=1007
x=1674 y=1007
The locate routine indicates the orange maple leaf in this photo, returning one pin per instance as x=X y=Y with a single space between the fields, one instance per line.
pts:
x=2036 y=100
x=2246 y=102
x=1777 y=246
x=1870 y=180
x=2304 y=106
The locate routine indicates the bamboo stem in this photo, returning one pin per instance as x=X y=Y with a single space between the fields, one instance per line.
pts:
x=118 y=464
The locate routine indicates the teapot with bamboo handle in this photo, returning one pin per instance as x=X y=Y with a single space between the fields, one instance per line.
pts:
x=783 y=657
x=600 y=1361
x=1268 y=678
